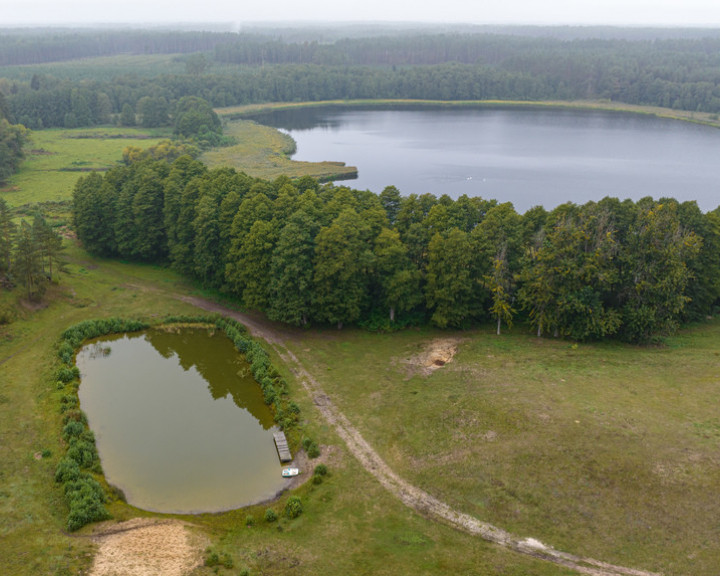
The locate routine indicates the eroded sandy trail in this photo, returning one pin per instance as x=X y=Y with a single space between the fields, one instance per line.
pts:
x=410 y=495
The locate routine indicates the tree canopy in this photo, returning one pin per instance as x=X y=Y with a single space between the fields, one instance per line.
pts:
x=305 y=253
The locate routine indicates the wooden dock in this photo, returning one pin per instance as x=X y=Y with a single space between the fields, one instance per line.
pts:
x=281 y=444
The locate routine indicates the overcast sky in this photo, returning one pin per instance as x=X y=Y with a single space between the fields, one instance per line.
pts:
x=616 y=12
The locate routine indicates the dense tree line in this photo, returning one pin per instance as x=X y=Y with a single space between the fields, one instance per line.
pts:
x=30 y=253
x=36 y=46
x=681 y=73
x=305 y=253
x=12 y=140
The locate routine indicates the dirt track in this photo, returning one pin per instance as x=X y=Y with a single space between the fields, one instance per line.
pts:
x=410 y=495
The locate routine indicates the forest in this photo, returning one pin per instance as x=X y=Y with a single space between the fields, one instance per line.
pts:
x=229 y=69
x=310 y=254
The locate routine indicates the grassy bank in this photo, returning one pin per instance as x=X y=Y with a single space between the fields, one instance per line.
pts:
x=264 y=152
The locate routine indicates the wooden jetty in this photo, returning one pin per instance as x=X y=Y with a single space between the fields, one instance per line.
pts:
x=281 y=444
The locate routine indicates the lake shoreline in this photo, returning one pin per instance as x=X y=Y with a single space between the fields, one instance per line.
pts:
x=250 y=110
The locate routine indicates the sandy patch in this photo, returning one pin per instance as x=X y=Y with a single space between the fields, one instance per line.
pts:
x=435 y=355
x=146 y=547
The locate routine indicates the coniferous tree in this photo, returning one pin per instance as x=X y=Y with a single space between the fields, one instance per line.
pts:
x=27 y=263
x=7 y=238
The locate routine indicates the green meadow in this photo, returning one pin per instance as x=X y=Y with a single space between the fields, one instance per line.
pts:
x=56 y=158
x=602 y=450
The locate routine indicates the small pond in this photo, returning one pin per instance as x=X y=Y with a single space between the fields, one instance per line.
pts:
x=179 y=421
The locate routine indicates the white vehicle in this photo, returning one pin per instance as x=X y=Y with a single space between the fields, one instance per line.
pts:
x=289 y=472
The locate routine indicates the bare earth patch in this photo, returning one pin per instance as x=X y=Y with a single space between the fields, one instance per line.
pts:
x=438 y=353
x=146 y=547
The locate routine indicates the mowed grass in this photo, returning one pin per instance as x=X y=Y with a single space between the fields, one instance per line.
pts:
x=605 y=450
x=264 y=152
x=56 y=158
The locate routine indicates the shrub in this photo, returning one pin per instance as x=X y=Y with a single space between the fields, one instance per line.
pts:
x=320 y=470
x=83 y=452
x=73 y=429
x=313 y=450
x=86 y=500
x=76 y=415
x=66 y=374
x=67 y=470
x=270 y=515
x=317 y=479
x=66 y=352
x=212 y=558
x=249 y=520
x=293 y=507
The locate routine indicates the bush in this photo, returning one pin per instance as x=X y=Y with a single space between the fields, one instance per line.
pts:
x=270 y=515
x=249 y=520
x=313 y=451
x=66 y=374
x=66 y=352
x=86 y=500
x=320 y=470
x=83 y=452
x=293 y=507
x=212 y=558
x=67 y=470
x=73 y=429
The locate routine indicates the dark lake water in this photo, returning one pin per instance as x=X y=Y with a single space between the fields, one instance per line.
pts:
x=179 y=421
x=527 y=157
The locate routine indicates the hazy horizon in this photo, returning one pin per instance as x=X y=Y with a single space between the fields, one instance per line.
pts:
x=629 y=13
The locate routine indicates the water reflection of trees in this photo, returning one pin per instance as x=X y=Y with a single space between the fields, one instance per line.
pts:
x=218 y=363
x=98 y=350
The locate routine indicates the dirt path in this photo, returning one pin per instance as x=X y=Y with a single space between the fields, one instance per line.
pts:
x=410 y=495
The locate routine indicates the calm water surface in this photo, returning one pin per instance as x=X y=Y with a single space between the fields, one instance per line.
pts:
x=179 y=421
x=527 y=157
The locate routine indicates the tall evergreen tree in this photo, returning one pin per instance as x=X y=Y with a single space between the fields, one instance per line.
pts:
x=7 y=237
x=27 y=264
x=291 y=271
x=343 y=261
x=452 y=288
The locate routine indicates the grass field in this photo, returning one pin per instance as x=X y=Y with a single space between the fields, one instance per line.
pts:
x=56 y=158
x=603 y=450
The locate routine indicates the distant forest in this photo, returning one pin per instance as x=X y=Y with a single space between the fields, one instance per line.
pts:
x=228 y=69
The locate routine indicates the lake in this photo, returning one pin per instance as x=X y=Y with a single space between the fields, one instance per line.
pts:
x=525 y=156
x=179 y=421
